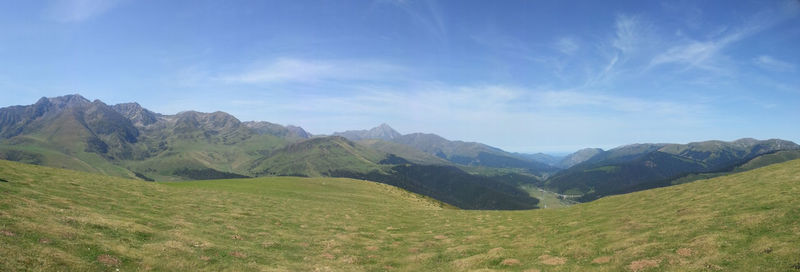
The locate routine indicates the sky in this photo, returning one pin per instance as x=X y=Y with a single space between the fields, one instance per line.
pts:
x=524 y=76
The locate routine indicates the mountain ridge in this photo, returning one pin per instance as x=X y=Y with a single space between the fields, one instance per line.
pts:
x=641 y=166
x=129 y=140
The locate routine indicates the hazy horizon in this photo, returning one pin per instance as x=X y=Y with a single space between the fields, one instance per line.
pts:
x=524 y=76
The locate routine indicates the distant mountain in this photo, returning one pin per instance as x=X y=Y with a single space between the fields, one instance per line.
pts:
x=382 y=132
x=130 y=141
x=336 y=156
x=262 y=127
x=385 y=138
x=643 y=166
x=471 y=153
x=71 y=124
x=541 y=157
x=412 y=154
x=578 y=157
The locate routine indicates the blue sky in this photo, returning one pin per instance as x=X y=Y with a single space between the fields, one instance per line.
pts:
x=526 y=76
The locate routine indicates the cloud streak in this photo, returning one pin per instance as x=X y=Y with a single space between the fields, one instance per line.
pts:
x=72 y=11
x=290 y=70
x=708 y=54
x=770 y=63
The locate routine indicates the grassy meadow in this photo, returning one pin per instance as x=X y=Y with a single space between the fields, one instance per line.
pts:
x=53 y=219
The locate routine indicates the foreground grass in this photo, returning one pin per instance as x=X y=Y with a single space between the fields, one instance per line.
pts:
x=52 y=219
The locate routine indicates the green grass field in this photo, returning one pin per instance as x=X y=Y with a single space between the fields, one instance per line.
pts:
x=53 y=219
x=547 y=199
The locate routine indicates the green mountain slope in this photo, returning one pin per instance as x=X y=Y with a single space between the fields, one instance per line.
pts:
x=56 y=219
x=338 y=157
x=644 y=166
x=412 y=154
x=471 y=154
x=757 y=162
x=318 y=157
x=578 y=157
x=383 y=137
x=130 y=141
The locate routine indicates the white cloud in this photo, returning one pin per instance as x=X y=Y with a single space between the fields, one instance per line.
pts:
x=628 y=33
x=78 y=10
x=309 y=71
x=770 y=63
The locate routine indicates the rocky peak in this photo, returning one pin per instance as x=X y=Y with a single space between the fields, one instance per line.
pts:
x=382 y=132
x=69 y=101
x=138 y=115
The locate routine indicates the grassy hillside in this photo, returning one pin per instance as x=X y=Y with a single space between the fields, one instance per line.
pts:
x=757 y=162
x=644 y=166
x=318 y=157
x=52 y=219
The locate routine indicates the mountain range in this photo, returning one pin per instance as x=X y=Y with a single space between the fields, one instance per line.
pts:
x=131 y=141
x=642 y=166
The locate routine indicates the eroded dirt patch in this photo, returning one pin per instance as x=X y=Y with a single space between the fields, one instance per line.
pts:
x=601 y=260
x=510 y=262
x=552 y=260
x=643 y=264
x=238 y=254
x=372 y=248
x=685 y=252
x=7 y=233
x=108 y=260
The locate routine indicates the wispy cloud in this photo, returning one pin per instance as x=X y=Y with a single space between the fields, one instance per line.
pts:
x=78 y=10
x=480 y=105
x=628 y=34
x=770 y=63
x=708 y=53
x=425 y=14
x=477 y=112
x=697 y=54
x=632 y=36
x=616 y=103
x=566 y=45
x=309 y=71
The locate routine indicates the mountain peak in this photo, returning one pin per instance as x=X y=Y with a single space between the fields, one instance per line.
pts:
x=68 y=101
x=383 y=126
x=382 y=132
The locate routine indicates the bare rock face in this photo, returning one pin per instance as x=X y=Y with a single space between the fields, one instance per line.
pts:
x=138 y=115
